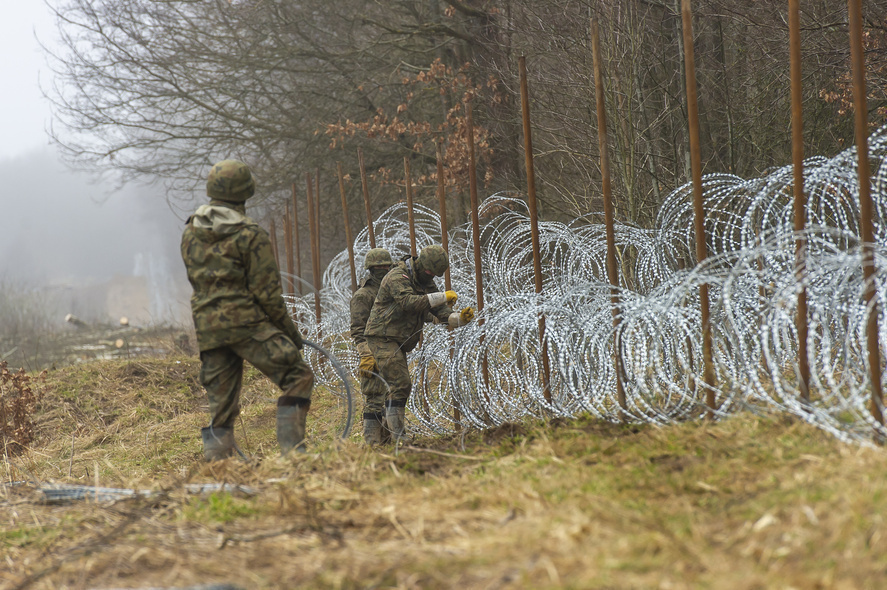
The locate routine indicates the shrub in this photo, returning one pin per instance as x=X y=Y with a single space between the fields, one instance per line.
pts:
x=17 y=404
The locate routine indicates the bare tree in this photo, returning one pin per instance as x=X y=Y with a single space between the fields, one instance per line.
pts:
x=166 y=88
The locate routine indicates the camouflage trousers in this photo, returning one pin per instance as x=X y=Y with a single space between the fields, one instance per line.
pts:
x=373 y=389
x=271 y=352
x=392 y=363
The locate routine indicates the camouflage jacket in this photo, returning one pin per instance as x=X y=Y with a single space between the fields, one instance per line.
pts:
x=234 y=275
x=401 y=307
x=361 y=305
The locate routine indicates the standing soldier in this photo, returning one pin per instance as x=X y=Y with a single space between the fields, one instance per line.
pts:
x=239 y=313
x=378 y=262
x=407 y=299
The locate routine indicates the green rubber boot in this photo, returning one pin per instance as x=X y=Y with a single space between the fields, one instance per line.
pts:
x=395 y=415
x=292 y=413
x=372 y=429
x=218 y=443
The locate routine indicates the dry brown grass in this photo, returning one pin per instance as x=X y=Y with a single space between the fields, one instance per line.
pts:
x=743 y=504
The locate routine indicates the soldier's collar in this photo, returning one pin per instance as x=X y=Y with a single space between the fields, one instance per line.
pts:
x=239 y=207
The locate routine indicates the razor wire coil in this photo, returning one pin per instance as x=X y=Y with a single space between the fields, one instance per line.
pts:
x=492 y=370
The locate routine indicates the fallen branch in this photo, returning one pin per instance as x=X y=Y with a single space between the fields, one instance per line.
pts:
x=442 y=454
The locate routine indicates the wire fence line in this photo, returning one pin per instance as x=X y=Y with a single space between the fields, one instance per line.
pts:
x=492 y=369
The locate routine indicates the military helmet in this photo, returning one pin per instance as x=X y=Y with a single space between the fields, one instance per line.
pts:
x=377 y=257
x=230 y=180
x=433 y=258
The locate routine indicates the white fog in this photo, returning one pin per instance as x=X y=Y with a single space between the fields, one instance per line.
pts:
x=103 y=254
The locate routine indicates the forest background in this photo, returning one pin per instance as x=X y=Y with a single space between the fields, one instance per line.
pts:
x=167 y=88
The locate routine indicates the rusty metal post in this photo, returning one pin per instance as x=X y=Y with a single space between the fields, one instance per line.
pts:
x=296 y=242
x=315 y=255
x=366 y=198
x=288 y=244
x=800 y=203
x=442 y=204
x=475 y=210
x=534 y=217
x=445 y=243
x=698 y=206
x=348 y=237
x=272 y=233
x=867 y=231
x=475 y=228
x=317 y=209
x=408 y=182
x=609 y=214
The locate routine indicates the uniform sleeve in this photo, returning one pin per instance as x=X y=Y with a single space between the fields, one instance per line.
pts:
x=401 y=291
x=441 y=314
x=263 y=282
x=361 y=305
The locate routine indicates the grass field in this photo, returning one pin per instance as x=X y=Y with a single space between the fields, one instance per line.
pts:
x=749 y=502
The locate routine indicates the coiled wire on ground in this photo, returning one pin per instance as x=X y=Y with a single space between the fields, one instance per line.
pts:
x=492 y=370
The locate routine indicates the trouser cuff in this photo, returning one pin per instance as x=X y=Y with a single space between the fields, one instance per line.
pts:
x=288 y=400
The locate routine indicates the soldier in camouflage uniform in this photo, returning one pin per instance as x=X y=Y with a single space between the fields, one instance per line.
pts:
x=407 y=299
x=378 y=262
x=239 y=313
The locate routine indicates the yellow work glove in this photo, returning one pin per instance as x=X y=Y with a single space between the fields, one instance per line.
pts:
x=442 y=298
x=367 y=366
x=460 y=318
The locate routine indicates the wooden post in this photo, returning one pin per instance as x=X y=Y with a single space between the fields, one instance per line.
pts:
x=475 y=229
x=296 y=241
x=534 y=217
x=442 y=204
x=411 y=220
x=272 y=233
x=609 y=214
x=288 y=245
x=366 y=198
x=348 y=237
x=866 y=226
x=445 y=243
x=800 y=202
x=408 y=183
x=317 y=210
x=315 y=255
x=698 y=205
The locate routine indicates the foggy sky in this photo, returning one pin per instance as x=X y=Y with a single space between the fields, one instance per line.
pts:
x=24 y=113
x=59 y=228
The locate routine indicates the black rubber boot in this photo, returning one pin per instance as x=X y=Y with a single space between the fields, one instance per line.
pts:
x=395 y=416
x=291 y=416
x=372 y=429
x=218 y=443
x=386 y=432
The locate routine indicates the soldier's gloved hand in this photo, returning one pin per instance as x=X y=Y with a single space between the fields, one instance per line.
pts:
x=296 y=337
x=460 y=318
x=367 y=366
x=442 y=298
